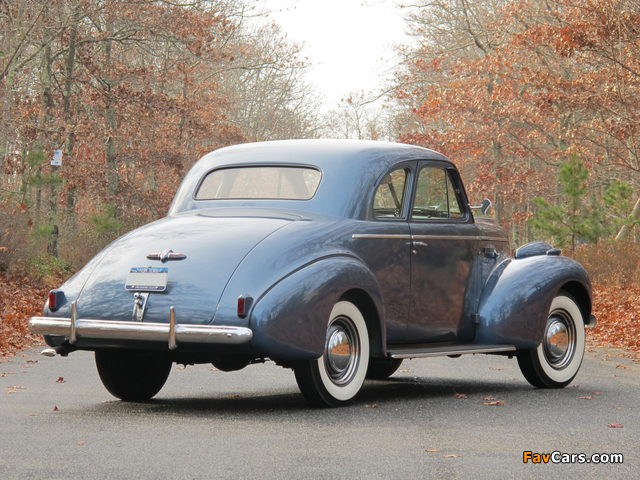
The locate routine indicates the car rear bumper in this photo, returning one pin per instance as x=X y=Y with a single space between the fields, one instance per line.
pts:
x=87 y=330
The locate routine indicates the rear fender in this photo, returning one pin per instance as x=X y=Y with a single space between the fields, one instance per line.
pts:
x=289 y=322
x=515 y=302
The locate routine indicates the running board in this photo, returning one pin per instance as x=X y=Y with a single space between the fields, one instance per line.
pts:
x=420 y=352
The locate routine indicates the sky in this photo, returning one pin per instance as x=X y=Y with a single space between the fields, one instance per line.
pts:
x=349 y=42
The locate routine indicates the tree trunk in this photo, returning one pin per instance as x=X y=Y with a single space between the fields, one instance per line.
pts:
x=47 y=99
x=110 y=116
x=70 y=143
x=635 y=214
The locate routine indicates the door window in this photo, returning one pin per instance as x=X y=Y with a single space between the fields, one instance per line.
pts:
x=436 y=196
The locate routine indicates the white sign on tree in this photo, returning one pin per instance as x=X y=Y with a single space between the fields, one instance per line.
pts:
x=57 y=158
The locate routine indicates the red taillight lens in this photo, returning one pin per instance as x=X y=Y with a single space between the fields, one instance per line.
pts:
x=52 y=300
x=241 y=306
x=244 y=305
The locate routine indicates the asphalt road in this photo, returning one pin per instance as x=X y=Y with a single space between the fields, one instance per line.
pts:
x=255 y=424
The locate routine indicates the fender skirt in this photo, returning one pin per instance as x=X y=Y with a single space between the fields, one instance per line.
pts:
x=289 y=321
x=515 y=303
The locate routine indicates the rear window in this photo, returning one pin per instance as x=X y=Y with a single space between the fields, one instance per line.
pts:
x=285 y=183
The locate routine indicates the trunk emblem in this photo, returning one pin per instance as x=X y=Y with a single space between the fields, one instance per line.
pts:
x=166 y=255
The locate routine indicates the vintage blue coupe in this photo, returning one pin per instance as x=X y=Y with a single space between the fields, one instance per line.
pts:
x=335 y=258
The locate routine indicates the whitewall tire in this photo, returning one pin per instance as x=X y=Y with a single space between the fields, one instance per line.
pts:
x=556 y=361
x=337 y=376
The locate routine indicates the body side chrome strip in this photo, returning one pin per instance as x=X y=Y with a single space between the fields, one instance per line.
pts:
x=429 y=237
x=370 y=235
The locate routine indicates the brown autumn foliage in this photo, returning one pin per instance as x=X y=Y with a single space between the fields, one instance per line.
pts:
x=132 y=93
x=615 y=271
x=20 y=299
x=510 y=89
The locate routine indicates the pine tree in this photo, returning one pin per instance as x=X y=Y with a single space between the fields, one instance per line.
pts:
x=571 y=219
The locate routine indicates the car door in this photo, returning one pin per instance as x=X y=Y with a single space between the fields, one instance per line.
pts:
x=444 y=238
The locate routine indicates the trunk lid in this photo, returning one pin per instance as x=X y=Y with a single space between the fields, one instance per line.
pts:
x=214 y=246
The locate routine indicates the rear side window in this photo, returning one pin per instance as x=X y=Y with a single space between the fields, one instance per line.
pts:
x=285 y=183
x=390 y=195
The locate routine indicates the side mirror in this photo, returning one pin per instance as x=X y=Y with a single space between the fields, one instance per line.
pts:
x=486 y=207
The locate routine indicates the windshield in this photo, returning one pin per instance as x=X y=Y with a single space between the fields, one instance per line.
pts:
x=286 y=183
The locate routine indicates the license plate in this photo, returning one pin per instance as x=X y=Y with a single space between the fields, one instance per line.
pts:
x=147 y=279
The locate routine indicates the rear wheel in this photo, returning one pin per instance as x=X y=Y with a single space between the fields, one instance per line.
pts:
x=132 y=375
x=336 y=377
x=556 y=361
x=381 y=368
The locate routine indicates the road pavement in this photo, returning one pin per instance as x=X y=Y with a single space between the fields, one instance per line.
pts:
x=427 y=421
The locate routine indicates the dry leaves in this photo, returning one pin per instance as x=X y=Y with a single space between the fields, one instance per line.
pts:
x=431 y=450
x=587 y=398
x=14 y=389
x=373 y=405
x=460 y=395
x=615 y=425
x=618 y=310
x=61 y=380
x=496 y=403
x=20 y=298
x=452 y=455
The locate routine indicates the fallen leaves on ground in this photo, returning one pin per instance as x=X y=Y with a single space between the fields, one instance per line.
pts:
x=460 y=395
x=586 y=397
x=618 y=310
x=615 y=425
x=431 y=450
x=373 y=405
x=496 y=403
x=61 y=380
x=20 y=298
x=14 y=389
x=452 y=455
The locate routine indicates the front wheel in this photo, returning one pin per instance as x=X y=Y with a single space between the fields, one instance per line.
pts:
x=556 y=361
x=336 y=377
x=132 y=375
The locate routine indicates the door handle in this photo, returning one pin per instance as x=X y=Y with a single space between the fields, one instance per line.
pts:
x=419 y=244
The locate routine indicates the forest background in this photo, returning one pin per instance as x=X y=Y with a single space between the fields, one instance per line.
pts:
x=536 y=101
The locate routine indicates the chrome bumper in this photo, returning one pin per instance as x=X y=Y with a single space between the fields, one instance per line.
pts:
x=172 y=333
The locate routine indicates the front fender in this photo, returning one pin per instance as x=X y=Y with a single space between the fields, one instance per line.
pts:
x=289 y=322
x=515 y=303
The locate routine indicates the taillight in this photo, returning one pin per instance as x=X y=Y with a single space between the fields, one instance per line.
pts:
x=55 y=299
x=52 y=301
x=244 y=305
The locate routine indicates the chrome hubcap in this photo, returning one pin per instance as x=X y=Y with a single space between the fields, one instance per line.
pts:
x=342 y=351
x=559 y=340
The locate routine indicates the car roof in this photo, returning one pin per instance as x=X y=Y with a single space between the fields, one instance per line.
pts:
x=350 y=169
